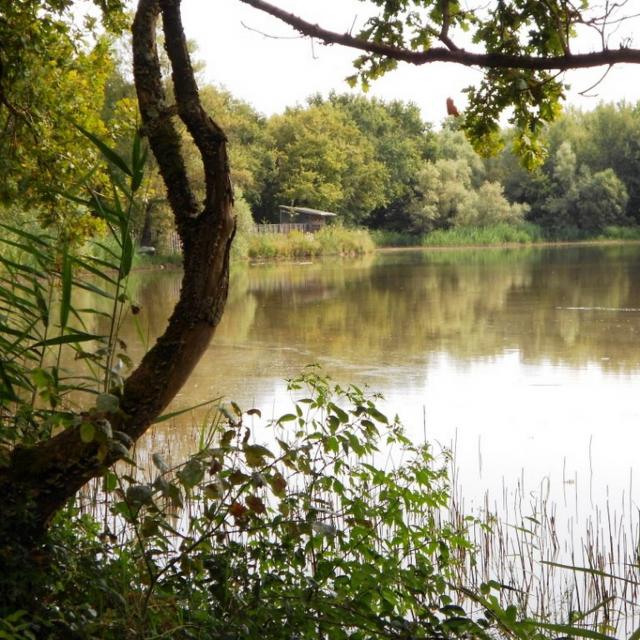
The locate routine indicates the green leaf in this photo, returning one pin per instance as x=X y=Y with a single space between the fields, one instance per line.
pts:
x=138 y=160
x=376 y=415
x=107 y=403
x=42 y=304
x=191 y=474
x=139 y=493
x=67 y=279
x=174 y=414
x=106 y=151
x=66 y=339
x=255 y=454
x=110 y=481
x=100 y=272
x=227 y=437
x=237 y=477
x=149 y=527
x=87 y=432
x=27 y=235
x=342 y=415
x=159 y=462
x=8 y=393
x=569 y=630
x=213 y=491
x=127 y=254
x=593 y=572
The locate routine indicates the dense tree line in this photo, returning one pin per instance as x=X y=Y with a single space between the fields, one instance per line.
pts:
x=590 y=178
x=378 y=164
x=375 y=163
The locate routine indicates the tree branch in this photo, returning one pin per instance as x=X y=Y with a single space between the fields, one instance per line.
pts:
x=157 y=125
x=458 y=56
x=446 y=24
x=207 y=135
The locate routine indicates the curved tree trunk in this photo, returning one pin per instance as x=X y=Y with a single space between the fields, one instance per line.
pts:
x=39 y=480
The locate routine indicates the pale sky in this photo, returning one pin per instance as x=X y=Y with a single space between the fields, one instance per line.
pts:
x=272 y=74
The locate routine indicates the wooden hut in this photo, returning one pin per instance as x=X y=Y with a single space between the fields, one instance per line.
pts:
x=305 y=215
x=297 y=219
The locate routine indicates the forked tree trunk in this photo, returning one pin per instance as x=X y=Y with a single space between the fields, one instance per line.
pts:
x=39 y=480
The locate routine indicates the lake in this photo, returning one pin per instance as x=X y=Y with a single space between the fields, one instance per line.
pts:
x=526 y=361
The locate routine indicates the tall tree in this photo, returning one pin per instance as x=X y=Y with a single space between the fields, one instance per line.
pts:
x=37 y=481
x=321 y=159
x=606 y=138
x=52 y=76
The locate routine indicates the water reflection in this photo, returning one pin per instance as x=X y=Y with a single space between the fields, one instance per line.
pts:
x=529 y=352
x=573 y=306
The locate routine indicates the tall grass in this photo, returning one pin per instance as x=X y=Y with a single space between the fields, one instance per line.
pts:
x=333 y=240
x=503 y=233
x=620 y=233
x=384 y=238
x=555 y=565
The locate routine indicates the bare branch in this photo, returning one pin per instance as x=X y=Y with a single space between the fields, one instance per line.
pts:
x=269 y=35
x=585 y=92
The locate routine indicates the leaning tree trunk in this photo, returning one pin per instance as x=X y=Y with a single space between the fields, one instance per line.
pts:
x=39 y=480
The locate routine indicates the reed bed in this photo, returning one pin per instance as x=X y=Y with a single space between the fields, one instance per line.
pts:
x=555 y=565
x=331 y=240
x=550 y=564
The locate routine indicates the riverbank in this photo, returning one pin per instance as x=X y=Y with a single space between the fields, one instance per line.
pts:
x=340 y=241
x=344 y=242
x=500 y=235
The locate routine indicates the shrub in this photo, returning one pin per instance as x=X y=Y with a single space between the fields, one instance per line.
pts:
x=305 y=535
x=331 y=240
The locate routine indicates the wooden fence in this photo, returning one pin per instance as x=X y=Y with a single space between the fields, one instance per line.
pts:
x=305 y=227
x=174 y=246
x=173 y=240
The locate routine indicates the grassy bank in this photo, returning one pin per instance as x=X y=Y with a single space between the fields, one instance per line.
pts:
x=329 y=241
x=332 y=241
x=525 y=233
x=495 y=234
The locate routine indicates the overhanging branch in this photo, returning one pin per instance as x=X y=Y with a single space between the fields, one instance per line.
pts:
x=458 y=56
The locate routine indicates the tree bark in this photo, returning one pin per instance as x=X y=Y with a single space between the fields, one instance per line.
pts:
x=39 y=480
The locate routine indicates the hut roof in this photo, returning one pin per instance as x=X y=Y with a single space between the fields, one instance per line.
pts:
x=307 y=210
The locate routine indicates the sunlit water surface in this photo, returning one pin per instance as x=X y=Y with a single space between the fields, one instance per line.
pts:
x=526 y=361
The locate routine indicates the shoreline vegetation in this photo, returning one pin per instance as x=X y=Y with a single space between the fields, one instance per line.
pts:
x=345 y=242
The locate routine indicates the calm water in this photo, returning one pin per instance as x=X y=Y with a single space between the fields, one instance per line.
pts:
x=528 y=359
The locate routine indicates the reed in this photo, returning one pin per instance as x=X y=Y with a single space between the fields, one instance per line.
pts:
x=331 y=240
x=524 y=233
x=541 y=563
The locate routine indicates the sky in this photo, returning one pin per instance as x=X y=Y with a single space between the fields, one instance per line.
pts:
x=272 y=73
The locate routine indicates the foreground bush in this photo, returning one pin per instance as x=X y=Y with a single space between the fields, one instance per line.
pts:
x=312 y=534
